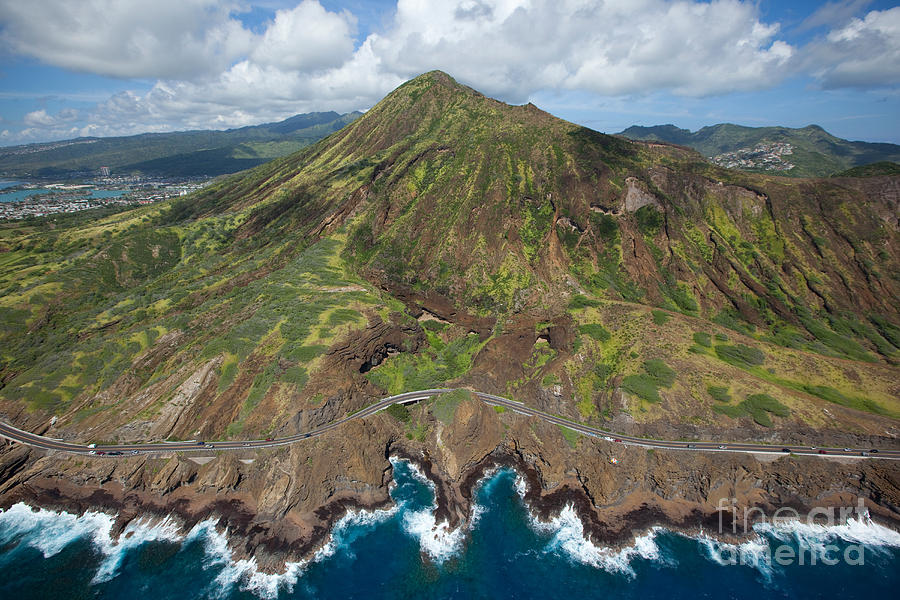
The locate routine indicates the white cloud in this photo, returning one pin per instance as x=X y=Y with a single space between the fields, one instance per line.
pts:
x=833 y=14
x=514 y=47
x=212 y=71
x=306 y=37
x=126 y=38
x=39 y=118
x=863 y=53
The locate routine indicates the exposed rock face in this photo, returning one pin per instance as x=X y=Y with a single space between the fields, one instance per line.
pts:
x=373 y=345
x=282 y=506
x=183 y=398
x=637 y=196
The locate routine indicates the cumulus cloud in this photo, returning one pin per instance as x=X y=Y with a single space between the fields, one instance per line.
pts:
x=39 y=118
x=863 y=53
x=126 y=38
x=305 y=38
x=514 y=47
x=211 y=71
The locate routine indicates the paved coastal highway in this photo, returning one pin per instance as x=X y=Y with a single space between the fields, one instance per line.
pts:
x=31 y=439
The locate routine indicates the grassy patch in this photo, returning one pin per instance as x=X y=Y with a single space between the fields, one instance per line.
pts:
x=649 y=220
x=757 y=406
x=550 y=379
x=741 y=356
x=417 y=432
x=435 y=326
x=427 y=369
x=660 y=317
x=702 y=339
x=444 y=406
x=595 y=331
x=719 y=393
x=399 y=412
x=579 y=301
x=646 y=385
x=570 y=435
x=836 y=397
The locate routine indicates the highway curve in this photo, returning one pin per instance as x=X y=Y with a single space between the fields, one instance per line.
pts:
x=37 y=441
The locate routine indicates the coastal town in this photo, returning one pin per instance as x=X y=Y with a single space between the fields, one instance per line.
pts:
x=767 y=156
x=23 y=200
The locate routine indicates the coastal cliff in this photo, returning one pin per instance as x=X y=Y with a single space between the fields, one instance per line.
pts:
x=278 y=505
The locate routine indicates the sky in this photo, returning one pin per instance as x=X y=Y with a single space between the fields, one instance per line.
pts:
x=120 y=67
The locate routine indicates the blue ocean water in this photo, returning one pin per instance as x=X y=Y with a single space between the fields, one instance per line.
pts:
x=19 y=195
x=400 y=553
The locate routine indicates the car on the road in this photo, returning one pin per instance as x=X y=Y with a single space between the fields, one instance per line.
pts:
x=101 y=453
x=691 y=445
x=617 y=440
x=201 y=443
x=874 y=450
x=270 y=439
x=785 y=449
x=246 y=444
x=847 y=450
x=607 y=438
x=92 y=445
x=863 y=453
x=822 y=452
x=134 y=451
x=115 y=453
x=723 y=447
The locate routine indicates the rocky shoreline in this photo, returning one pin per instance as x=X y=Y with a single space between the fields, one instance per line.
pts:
x=273 y=539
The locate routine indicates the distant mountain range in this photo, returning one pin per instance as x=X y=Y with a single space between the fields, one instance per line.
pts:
x=176 y=154
x=807 y=152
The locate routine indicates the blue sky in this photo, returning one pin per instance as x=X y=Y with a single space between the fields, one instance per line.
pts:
x=119 y=67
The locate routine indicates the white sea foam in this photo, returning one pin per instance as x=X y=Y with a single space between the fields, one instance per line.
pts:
x=475 y=516
x=859 y=529
x=136 y=533
x=754 y=553
x=521 y=486
x=568 y=538
x=349 y=528
x=244 y=573
x=50 y=531
x=414 y=470
x=437 y=540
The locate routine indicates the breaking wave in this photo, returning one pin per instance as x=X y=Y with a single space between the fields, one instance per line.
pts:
x=567 y=537
x=437 y=540
x=412 y=518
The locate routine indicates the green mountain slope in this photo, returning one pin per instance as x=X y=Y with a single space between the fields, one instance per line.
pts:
x=177 y=154
x=814 y=153
x=446 y=238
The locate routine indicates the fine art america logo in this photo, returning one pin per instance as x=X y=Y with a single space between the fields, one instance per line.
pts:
x=787 y=519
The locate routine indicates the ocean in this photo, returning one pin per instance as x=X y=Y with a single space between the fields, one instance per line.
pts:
x=399 y=553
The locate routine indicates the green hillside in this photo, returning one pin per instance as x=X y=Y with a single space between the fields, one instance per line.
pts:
x=177 y=154
x=446 y=238
x=815 y=152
